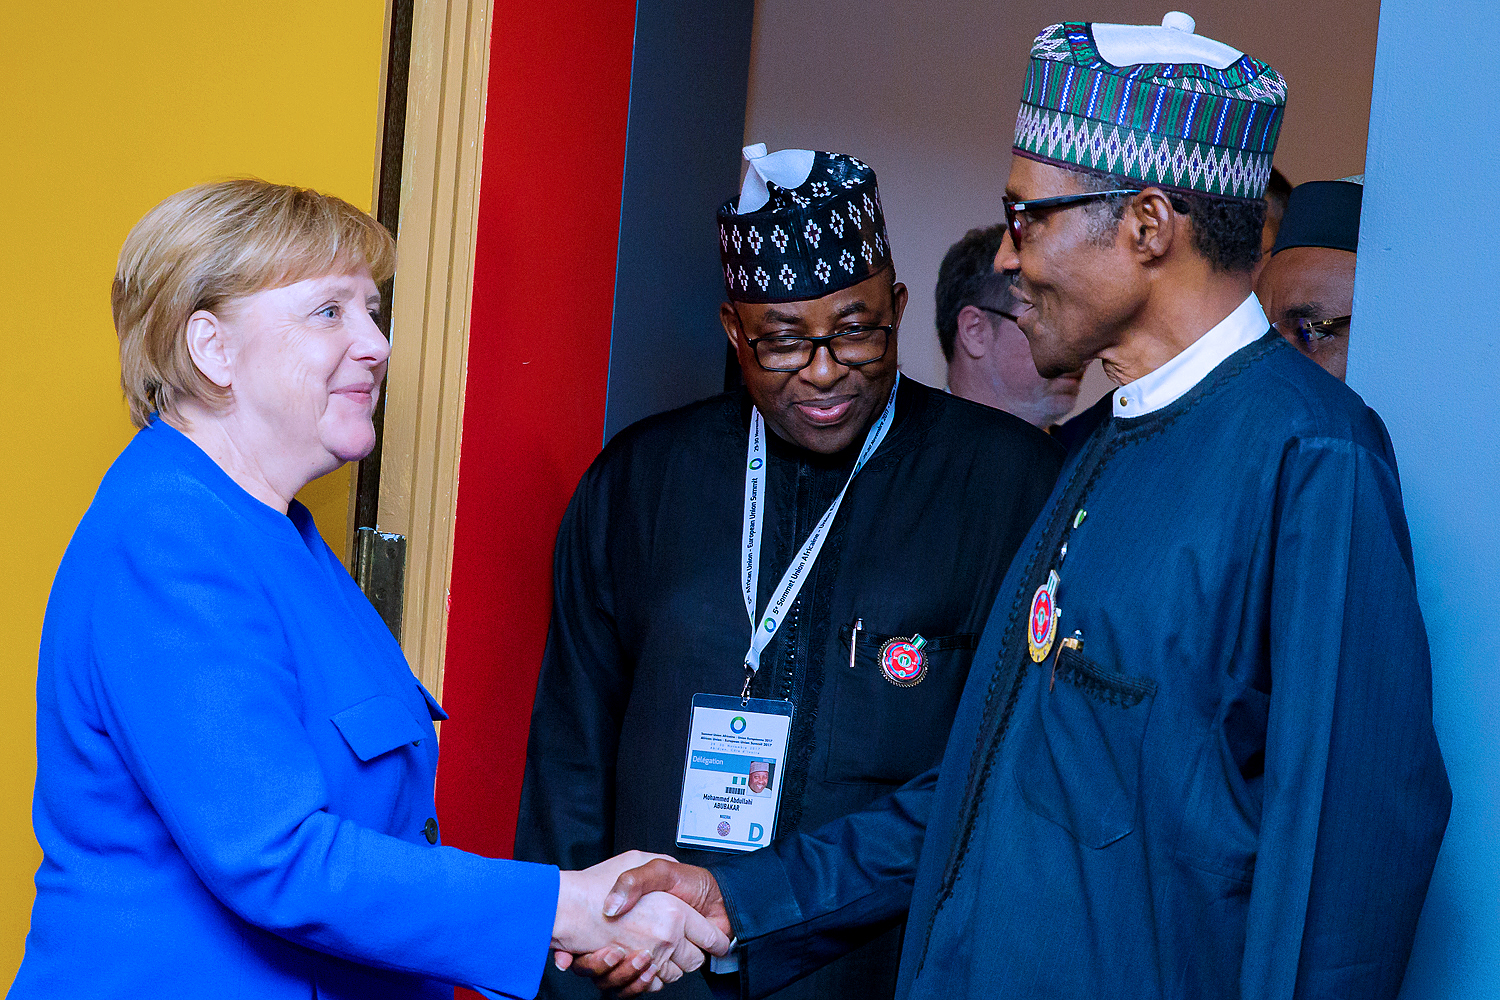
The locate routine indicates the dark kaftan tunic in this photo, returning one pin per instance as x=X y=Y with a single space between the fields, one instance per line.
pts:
x=648 y=612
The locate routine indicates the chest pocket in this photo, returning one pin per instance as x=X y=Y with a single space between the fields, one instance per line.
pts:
x=885 y=733
x=377 y=726
x=1081 y=765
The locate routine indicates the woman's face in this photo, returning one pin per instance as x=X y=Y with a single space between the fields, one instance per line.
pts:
x=307 y=368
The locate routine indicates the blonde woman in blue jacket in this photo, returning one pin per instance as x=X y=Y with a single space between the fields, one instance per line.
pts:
x=235 y=765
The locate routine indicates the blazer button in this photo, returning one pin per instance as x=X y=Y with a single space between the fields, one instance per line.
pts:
x=430 y=830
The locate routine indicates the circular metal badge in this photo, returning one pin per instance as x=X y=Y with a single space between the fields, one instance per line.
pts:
x=1042 y=627
x=903 y=661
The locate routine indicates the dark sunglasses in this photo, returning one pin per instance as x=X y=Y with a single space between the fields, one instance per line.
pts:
x=1017 y=212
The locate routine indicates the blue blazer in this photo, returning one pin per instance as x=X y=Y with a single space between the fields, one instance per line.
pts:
x=235 y=769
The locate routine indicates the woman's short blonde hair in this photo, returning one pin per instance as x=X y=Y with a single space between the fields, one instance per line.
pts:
x=202 y=248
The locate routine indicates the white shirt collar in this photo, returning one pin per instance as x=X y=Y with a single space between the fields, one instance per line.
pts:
x=1172 y=380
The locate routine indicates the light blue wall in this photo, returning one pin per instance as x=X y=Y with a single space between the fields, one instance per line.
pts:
x=1425 y=353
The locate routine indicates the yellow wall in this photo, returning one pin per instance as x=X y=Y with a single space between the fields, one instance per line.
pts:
x=108 y=108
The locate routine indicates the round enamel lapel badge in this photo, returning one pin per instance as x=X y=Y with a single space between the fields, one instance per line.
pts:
x=903 y=661
x=1041 y=628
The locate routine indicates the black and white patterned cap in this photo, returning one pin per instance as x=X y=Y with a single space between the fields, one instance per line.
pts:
x=806 y=224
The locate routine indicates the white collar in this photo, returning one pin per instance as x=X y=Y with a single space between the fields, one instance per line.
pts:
x=1172 y=380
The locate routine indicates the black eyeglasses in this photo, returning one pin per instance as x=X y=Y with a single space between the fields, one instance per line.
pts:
x=1017 y=212
x=1001 y=312
x=850 y=348
x=1306 y=331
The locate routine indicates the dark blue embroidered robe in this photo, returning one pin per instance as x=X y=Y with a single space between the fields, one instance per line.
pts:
x=1232 y=789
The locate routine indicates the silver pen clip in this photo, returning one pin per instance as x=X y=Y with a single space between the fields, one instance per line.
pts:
x=1073 y=642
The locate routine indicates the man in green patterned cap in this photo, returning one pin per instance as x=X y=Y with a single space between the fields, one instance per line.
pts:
x=1195 y=755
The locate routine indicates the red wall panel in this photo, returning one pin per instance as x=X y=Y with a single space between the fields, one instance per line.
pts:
x=548 y=230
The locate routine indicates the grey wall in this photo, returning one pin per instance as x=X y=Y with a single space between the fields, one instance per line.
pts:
x=1423 y=352
x=682 y=149
x=927 y=95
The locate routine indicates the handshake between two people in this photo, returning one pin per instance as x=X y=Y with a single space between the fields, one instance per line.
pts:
x=638 y=921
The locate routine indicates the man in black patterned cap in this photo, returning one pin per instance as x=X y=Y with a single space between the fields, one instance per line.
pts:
x=843 y=570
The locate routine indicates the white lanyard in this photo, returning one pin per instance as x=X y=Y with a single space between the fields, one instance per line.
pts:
x=801 y=567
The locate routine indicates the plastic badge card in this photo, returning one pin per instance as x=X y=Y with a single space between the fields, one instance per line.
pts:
x=731 y=788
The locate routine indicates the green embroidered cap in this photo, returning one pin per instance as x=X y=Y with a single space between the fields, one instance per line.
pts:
x=1160 y=105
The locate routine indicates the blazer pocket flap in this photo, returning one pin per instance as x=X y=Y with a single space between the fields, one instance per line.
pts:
x=433 y=708
x=377 y=725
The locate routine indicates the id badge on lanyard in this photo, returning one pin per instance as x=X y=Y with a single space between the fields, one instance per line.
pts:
x=737 y=746
x=731 y=787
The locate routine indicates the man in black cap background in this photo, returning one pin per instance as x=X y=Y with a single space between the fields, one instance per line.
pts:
x=989 y=360
x=650 y=588
x=1307 y=287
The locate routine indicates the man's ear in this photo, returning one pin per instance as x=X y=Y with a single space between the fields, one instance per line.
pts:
x=898 y=302
x=731 y=321
x=1150 y=224
x=209 y=346
x=974 y=332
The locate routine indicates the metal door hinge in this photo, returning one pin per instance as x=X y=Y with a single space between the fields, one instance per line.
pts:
x=380 y=571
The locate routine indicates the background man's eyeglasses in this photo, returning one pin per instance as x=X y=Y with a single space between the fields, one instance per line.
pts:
x=1000 y=312
x=851 y=348
x=1017 y=213
x=1306 y=331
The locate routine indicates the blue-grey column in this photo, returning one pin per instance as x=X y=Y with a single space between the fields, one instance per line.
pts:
x=688 y=81
x=1425 y=353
